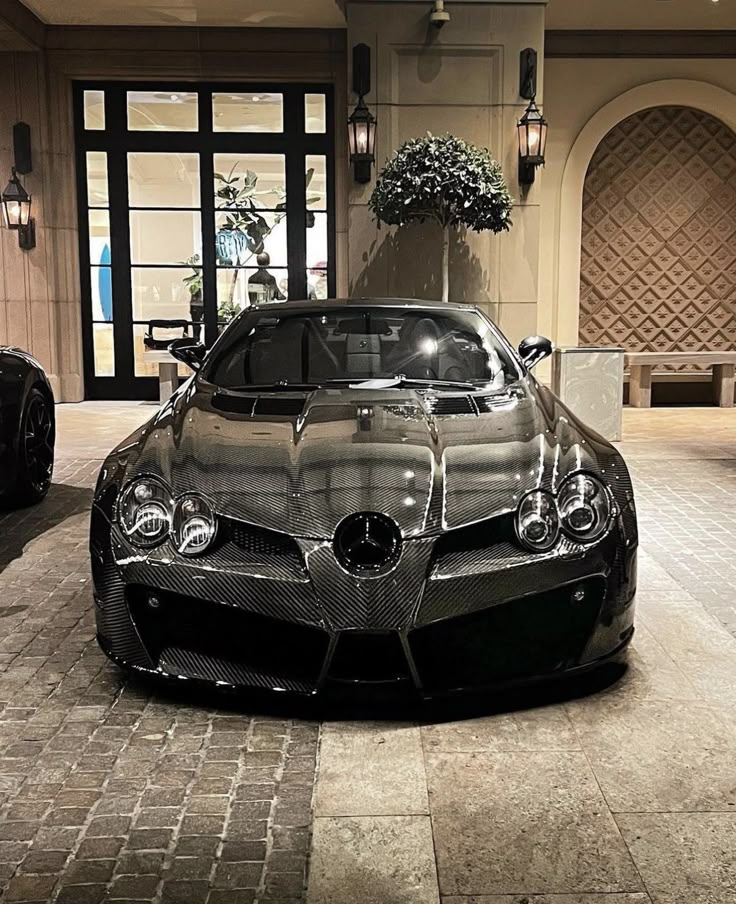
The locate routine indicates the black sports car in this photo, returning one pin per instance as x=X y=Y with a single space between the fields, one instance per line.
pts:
x=27 y=428
x=363 y=491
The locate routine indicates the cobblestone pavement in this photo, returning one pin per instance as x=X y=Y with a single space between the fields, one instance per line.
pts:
x=117 y=791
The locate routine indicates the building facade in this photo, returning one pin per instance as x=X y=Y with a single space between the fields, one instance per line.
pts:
x=184 y=171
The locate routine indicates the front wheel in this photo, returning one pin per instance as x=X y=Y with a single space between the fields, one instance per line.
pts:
x=36 y=449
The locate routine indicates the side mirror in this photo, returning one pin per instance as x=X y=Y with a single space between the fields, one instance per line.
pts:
x=188 y=352
x=534 y=349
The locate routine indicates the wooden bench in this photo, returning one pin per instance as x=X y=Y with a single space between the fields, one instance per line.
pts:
x=640 y=366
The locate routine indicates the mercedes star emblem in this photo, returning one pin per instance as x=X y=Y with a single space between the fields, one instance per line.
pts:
x=367 y=542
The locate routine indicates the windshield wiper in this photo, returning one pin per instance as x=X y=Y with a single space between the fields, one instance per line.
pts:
x=401 y=380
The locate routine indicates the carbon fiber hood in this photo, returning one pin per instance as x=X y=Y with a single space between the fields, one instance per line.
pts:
x=365 y=450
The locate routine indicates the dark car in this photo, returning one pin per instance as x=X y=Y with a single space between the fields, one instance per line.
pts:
x=27 y=428
x=364 y=492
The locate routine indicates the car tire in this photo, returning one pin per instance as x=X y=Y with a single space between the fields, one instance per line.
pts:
x=35 y=449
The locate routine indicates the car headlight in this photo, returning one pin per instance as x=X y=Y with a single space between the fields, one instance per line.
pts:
x=194 y=524
x=585 y=507
x=144 y=511
x=537 y=521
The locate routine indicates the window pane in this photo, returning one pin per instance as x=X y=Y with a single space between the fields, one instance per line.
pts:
x=164 y=237
x=248 y=112
x=99 y=236
x=316 y=182
x=104 y=350
x=238 y=288
x=101 y=282
x=144 y=366
x=317 y=243
x=315 y=113
x=317 y=284
x=242 y=236
x=97 y=191
x=94 y=110
x=162 y=111
x=242 y=180
x=163 y=180
x=167 y=293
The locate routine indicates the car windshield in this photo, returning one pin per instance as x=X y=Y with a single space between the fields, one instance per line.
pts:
x=309 y=347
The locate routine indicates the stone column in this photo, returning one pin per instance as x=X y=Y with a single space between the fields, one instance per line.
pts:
x=463 y=79
x=39 y=289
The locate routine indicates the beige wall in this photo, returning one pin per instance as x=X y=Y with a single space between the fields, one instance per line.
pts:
x=463 y=79
x=40 y=295
x=585 y=98
x=39 y=290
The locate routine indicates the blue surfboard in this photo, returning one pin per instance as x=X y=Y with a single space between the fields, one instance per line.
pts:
x=105 y=283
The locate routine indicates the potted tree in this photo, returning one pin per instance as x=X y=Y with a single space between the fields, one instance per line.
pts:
x=445 y=180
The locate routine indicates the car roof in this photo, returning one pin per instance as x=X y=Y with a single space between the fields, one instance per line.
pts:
x=361 y=302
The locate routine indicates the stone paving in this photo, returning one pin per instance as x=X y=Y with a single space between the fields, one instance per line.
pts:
x=117 y=791
x=112 y=790
x=624 y=796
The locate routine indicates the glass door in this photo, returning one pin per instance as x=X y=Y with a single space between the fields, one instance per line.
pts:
x=195 y=203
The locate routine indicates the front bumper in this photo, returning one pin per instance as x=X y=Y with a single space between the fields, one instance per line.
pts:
x=446 y=619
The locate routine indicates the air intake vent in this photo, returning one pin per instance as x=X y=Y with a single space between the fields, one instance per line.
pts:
x=237 y=404
x=260 y=540
x=488 y=403
x=286 y=407
x=445 y=405
x=262 y=406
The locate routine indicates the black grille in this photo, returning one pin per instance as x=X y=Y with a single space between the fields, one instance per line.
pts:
x=481 y=535
x=364 y=656
x=446 y=405
x=259 y=540
x=231 y=640
x=530 y=636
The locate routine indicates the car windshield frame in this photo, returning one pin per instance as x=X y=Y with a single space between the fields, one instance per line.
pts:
x=485 y=330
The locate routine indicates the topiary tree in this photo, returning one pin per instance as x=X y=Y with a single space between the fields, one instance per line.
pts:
x=447 y=180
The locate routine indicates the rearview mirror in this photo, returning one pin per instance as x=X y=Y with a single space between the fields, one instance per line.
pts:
x=534 y=349
x=188 y=352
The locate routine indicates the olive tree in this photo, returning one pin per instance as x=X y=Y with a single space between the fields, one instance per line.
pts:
x=447 y=181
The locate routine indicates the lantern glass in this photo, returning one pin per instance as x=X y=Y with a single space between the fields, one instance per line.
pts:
x=362 y=131
x=16 y=204
x=532 y=129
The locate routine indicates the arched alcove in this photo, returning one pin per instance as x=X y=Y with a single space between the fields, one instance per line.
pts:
x=658 y=247
x=702 y=96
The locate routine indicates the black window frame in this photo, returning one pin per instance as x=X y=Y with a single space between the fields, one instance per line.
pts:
x=117 y=141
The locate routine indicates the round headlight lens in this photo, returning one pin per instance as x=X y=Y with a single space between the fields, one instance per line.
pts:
x=585 y=508
x=537 y=522
x=145 y=511
x=194 y=525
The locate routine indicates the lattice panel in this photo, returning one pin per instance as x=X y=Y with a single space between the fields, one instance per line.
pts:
x=658 y=270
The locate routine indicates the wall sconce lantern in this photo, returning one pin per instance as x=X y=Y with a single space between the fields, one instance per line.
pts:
x=17 y=212
x=15 y=200
x=362 y=123
x=532 y=127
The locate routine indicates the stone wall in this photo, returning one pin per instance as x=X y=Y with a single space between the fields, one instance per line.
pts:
x=39 y=289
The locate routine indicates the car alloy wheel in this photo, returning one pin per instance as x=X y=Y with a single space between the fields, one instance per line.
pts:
x=37 y=445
